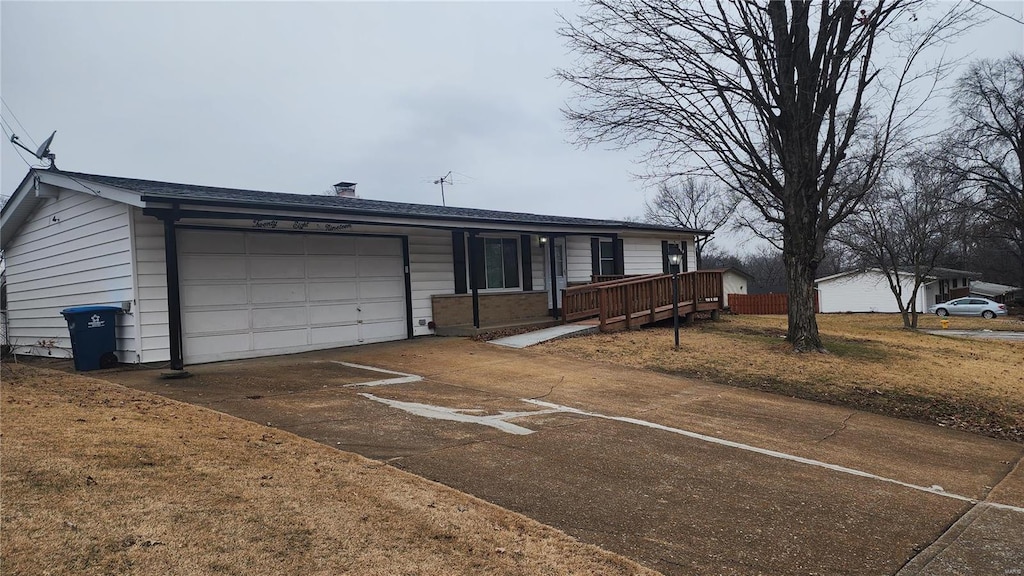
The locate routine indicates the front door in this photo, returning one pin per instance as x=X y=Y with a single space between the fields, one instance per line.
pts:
x=560 y=271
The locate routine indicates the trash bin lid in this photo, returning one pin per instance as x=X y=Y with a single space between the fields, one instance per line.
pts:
x=87 y=309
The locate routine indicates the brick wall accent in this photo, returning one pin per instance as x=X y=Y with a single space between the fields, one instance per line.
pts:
x=495 y=308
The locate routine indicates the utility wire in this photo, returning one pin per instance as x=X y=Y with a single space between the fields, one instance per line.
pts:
x=1004 y=14
x=15 y=116
x=8 y=135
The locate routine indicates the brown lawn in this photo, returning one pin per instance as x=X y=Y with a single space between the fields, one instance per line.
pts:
x=101 y=479
x=873 y=364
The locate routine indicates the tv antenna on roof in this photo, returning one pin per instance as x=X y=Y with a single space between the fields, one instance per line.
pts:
x=42 y=152
x=446 y=179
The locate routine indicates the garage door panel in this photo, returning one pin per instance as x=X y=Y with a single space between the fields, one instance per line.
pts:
x=370 y=290
x=279 y=317
x=276 y=244
x=219 y=345
x=214 y=295
x=380 y=266
x=285 y=267
x=270 y=340
x=332 y=334
x=383 y=331
x=206 y=321
x=211 y=242
x=213 y=267
x=331 y=267
x=382 y=311
x=334 y=314
x=283 y=293
x=330 y=245
x=333 y=291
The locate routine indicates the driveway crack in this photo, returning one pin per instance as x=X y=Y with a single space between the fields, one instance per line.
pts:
x=838 y=429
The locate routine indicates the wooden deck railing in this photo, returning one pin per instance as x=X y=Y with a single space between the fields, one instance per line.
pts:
x=635 y=301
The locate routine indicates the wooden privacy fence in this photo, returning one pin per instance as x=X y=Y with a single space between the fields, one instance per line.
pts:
x=763 y=303
x=634 y=301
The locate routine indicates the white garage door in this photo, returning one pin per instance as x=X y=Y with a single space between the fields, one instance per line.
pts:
x=247 y=294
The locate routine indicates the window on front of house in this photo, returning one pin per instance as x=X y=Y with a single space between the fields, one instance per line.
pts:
x=607 y=257
x=954 y=282
x=501 y=263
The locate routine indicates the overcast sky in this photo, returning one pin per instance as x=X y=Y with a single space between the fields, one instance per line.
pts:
x=294 y=97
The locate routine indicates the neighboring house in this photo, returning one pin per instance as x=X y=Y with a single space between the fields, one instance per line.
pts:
x=209 y=274
x=734 y=281
x=867 y=290
x=993 y=291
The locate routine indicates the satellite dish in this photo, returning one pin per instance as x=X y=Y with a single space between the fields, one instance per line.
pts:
x=42 y=152
x=44 y=148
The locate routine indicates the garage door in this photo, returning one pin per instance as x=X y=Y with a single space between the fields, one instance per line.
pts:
x=247 y=294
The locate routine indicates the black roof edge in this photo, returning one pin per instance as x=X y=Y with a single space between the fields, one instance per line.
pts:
x=356 y=212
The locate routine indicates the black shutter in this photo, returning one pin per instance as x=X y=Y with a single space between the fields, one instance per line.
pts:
x=686 y=259
x=476 y=253
x=620 y=259
x=525 y=250
x=666 y=268
x=510 y=262
x=459 y=260
x=595 y=256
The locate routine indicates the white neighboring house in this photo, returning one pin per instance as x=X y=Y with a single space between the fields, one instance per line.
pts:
x=867 y=290
x=207 y=274
x=734 y=281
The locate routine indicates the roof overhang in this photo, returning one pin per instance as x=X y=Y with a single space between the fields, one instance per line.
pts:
x=40 y=186
x=185 y=210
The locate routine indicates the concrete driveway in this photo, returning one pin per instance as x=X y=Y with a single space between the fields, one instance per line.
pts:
x=981 y=334
x=683 y=476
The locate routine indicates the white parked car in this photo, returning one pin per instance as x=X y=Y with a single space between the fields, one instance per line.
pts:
x=969 y=306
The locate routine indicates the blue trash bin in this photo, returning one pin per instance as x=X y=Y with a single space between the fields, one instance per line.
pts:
x=92 y=336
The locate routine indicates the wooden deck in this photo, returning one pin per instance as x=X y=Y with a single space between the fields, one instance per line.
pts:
x=632 y=302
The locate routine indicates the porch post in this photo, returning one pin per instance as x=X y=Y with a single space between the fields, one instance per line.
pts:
x=474 y=258
x=556 y=312
x=173 y=294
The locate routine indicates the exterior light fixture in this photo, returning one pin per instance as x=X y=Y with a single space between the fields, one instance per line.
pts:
x=675 y=258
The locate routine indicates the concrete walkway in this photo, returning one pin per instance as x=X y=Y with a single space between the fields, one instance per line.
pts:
x=538 y=336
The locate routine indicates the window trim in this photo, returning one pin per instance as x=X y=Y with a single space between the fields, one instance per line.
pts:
x=483 y=262
x=601 y=259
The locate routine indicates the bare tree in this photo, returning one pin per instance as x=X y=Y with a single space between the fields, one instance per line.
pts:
x=909 y=223
x=693 y=203
x=770 y=98
x=987 y=147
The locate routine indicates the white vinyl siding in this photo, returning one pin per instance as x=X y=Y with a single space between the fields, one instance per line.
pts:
x=538 y=260
x=75 y=250
x=863 y=292
x=577 y=255
x=151 y=277
x=642 y=255
x=431 y=271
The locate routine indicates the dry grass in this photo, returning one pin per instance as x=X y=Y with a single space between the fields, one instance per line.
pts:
x=873 y=364
x=101 y=479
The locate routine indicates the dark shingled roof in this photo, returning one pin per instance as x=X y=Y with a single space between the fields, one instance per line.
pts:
x=166 y=191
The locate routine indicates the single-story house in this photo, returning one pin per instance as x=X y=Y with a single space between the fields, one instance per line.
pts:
x=867 y=290
x=734 y=281
x=993 y=291
x=206 y=274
